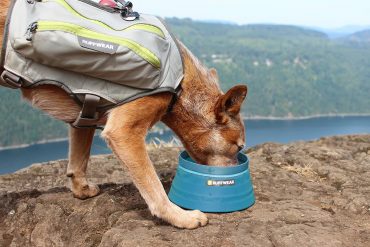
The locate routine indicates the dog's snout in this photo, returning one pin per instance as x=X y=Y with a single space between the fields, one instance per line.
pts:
x=241 y=147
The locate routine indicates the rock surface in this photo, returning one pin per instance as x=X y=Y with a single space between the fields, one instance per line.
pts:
x=308 y=194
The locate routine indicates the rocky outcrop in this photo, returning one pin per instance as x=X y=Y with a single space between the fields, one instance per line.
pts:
x=308 y=194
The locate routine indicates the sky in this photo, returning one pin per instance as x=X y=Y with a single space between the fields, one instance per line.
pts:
x=310 y=13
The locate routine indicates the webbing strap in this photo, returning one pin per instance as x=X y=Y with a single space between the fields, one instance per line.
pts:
x=174 y=99
x=88 y=116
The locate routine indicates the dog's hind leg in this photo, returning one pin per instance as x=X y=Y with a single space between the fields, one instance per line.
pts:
x=79 y=153
x=125 y=133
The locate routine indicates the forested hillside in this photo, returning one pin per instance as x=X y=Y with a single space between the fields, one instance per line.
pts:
x=290 y=72
x=22 y=124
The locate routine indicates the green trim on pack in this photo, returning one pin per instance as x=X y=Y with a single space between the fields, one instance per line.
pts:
x=84 y=32
x=148 y=28
x=140 y=26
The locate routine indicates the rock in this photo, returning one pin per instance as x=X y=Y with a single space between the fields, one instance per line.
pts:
x=308 y=194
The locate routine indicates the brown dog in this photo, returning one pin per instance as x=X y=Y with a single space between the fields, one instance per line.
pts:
x=206 y=120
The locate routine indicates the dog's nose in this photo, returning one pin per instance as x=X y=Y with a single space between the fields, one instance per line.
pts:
x=241 y=147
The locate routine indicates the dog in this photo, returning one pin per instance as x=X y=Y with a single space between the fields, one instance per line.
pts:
x=207 y=121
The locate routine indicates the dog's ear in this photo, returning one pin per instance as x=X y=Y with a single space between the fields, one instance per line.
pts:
x=229 y=104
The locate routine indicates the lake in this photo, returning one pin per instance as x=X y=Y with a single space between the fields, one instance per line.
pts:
x=257 y=132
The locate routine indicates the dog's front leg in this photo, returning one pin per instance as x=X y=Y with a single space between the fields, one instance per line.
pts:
x=125 y=133
x=79 y=153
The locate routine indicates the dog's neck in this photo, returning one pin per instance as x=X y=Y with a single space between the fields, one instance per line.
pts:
x=193 y=112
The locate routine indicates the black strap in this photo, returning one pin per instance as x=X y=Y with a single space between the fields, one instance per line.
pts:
x=174 y=99
x=88 y=116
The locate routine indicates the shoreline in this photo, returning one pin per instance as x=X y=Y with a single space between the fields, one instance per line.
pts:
x=244 y=118
x=307 y=117
x=34 y=143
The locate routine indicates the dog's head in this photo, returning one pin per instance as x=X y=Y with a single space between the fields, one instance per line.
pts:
x=207 y=121
x=220 y=142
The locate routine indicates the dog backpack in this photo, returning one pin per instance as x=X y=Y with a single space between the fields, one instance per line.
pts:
x=98 y=54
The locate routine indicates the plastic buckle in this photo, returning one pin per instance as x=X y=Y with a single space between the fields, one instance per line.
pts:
x=126 y=11
x=11 y=80
x=130 y=16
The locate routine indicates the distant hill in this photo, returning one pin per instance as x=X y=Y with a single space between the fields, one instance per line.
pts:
x=350 y=29
x=291 y=72
x=359 y=37
x=342 y=31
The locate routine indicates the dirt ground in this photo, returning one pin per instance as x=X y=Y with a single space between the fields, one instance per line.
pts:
x=308 y=194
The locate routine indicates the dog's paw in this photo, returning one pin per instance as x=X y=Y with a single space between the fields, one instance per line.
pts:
x=181 y=218
x=86 y=191
x=191 y=220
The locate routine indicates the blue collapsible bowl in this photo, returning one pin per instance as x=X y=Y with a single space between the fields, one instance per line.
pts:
x=212 y=188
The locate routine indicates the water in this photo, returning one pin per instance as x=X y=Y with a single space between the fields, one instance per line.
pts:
x=257 y=131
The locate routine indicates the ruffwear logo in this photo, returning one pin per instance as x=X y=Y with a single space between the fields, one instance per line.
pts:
x=220 y=182
x=98 y=45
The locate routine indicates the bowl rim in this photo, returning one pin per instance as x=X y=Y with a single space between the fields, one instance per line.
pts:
x=186 y=162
